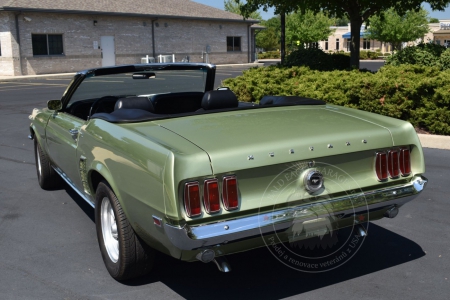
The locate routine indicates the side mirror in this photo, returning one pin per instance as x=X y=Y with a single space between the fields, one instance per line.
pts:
x=54 y=104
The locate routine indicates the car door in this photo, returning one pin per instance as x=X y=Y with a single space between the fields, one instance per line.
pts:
x=62 y=141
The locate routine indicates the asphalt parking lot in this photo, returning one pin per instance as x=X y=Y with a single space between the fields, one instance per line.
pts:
x=49 y=246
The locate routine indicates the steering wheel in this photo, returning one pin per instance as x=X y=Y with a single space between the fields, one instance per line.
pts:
x=99 y=104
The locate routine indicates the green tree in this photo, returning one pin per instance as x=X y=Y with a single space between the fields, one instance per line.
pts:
x=234 y=6
x=342 y=21
x=433 y=20
x=357 y=11
x=390 y=27
x=268 y=39
x=308 y=27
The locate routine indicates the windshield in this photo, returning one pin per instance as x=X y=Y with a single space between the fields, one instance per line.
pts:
x=141 y=84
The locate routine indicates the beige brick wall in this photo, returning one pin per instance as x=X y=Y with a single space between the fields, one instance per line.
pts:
x=10 y=58
x=184 y=37
x=132 y=38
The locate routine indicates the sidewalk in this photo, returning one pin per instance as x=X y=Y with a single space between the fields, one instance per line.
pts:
x=435 y=141
x=427 y=140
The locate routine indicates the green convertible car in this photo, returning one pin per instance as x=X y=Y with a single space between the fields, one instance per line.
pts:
x=170 y=164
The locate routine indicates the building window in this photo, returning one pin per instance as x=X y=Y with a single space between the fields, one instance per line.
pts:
x=348 y=45
x=326 y=45
x=0 y=48
x=438 y=42
x=47 y=44
x=337 y=44
x=233 y=43
x=446 y=44
x=366 y=44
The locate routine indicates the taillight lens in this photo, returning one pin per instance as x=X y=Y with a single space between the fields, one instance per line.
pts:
x=393 y=165
x=230 y=193
x=405 y=162
x=211 y=196
x=381 y=165
x=192 y=199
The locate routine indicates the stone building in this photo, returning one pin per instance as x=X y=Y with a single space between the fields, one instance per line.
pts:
x=340 y=39
x=440 y=33
x=44 y=36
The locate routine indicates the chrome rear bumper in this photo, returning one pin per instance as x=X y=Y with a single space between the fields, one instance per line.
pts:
x=197 y=237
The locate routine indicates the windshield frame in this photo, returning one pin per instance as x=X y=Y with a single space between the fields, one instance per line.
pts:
x=83 y=75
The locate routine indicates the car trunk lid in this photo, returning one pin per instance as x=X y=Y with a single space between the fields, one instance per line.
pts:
x=253 y=138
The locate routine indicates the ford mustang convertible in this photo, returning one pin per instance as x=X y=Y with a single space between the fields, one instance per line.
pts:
x=174 y=166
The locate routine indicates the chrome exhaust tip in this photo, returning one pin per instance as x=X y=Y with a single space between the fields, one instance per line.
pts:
x=222 y=264
x=391 y=212
x=360 y=230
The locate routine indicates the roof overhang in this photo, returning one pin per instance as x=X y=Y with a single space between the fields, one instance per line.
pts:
x=442 y=32
x=258 y=27
x=150 y=16
x=348 y=35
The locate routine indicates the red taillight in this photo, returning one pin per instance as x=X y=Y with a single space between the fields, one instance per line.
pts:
x=211 y=196
x=394 y=170
x=381 y=165
x=192 y=199
x=230 y=193
x=405 y=162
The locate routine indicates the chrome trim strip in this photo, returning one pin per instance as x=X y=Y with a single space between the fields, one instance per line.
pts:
x=195 y=237
x=69 y=182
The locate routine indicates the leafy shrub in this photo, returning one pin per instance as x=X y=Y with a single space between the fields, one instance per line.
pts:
x=340 y=61
x=413 y=93
x=269 y=54
x=368 y=55
x=445 y=60
x=422 y=54
x=316 y=59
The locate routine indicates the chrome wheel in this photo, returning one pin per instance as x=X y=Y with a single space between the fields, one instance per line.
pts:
x=109 y=230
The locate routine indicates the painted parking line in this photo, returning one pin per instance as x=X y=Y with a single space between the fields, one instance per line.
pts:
x=30 y=84
x=59 y=79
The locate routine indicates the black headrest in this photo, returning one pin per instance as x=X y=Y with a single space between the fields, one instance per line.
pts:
x=219 y=99
x=135 y=103
x=176 y=103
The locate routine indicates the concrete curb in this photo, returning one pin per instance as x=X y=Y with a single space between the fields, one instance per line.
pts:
x=252 y=65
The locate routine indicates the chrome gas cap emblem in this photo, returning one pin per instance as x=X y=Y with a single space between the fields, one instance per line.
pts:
x=313 y=181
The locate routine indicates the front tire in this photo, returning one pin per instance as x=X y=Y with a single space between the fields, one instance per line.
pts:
x=47 y=177
x=125 y=255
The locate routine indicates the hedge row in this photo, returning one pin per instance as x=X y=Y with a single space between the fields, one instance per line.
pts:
x=316 y=59
x=418 y=94
x=430 y=55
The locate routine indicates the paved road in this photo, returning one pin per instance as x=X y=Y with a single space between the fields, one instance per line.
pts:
x=49 y=248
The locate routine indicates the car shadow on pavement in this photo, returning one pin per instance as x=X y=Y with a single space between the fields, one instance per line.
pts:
x=84 y=206
x=257 y=274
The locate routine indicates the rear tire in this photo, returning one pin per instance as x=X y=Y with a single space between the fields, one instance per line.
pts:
x=125 y=255
x=47 y=177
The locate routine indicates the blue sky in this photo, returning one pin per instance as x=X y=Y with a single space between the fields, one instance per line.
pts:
x=267 y=15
